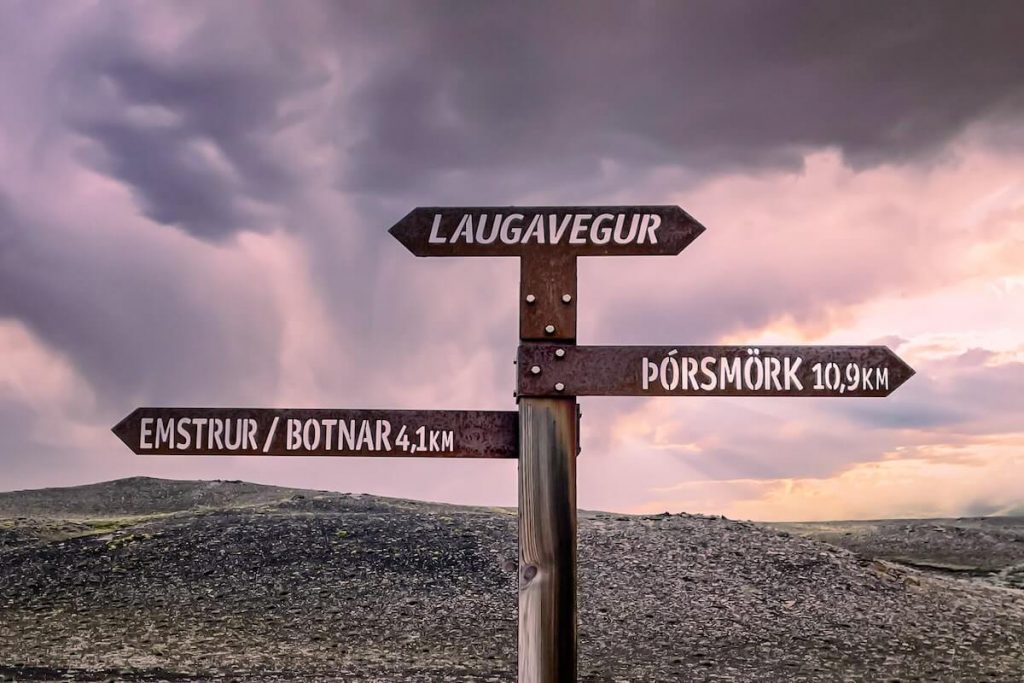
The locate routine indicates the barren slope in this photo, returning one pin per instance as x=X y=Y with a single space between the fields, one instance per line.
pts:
x=285 y=585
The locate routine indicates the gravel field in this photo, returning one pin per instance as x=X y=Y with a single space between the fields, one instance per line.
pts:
x=148 y=580
x=989 y=548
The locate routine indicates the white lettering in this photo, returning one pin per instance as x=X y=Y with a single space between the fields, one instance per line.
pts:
x=509 y=234
x=184 y=437
x=435 y=238
x=199 y=423
x=579 y=227
x=365 y=436
x=229 y=443
x=536 y=229
x=705 y=369
x=294 y=441
x=556 y=229
x=164 y=433
x=753 y=363
x=495 y=226
x=633 y=227
x=465 y=228
x=145 y=432
x=730 y=371
x=250 y=435
x=346 y=435
x=311 y=435
x=651 y=222
x=383 y=432
x=649 y=372
x=690 y=374
x=789 y=372
x=772 y=368
x=599 y=235
x=216 y=427
x=328 y=426
x=668 y=362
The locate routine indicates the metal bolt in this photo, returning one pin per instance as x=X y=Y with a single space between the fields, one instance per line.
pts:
x=566 y=298
x=559 y=387
x=535 y=369
x=550 y=329
x=530 y=298
x=559 y=353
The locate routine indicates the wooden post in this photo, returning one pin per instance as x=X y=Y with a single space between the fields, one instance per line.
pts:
x=548 y=445
x=547 y=540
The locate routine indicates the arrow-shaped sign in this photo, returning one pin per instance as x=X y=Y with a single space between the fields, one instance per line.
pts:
x=564 y=370
x=261 y=431
x=568 y=230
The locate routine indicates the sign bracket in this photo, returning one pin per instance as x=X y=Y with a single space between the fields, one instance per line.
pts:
x=547 y=297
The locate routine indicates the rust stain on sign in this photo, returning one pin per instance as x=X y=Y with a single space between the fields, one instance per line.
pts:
x=832 y=371
x=525 y=230
x=287 y=432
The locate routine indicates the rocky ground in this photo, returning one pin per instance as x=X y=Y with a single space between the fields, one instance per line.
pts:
x=983 y=548
x=149 y=580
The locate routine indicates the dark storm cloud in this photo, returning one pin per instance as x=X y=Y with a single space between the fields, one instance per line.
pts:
x=133 y=319
x=189 y=130
x=549 y=91
x=498 y=100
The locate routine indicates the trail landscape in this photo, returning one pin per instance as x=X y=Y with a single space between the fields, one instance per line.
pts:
x=145 y=579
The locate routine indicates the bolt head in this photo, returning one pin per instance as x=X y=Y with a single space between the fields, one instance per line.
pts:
x=567 y=298
x=535 y=369
x=559 y=387
x=530 y=298
x=559 y=353
x=550 y=329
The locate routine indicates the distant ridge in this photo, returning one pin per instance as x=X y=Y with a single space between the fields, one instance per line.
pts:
x=138 y=496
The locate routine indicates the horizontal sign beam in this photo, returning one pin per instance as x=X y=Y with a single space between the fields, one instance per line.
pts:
x=855 y=371
x=261 y=431
x=568 y=230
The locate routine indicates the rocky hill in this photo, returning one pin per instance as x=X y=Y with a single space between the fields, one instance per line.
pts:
x=986 y=548
x=149 y=580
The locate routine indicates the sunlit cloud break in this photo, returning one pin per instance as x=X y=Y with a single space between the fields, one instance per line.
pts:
x=194 y=203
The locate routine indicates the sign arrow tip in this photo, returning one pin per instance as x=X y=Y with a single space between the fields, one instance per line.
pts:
x=903 y=369
x=122 y=429
x=401 y=232
x=689 y=226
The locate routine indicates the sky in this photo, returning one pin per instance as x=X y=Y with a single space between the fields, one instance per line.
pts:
x=195 y=197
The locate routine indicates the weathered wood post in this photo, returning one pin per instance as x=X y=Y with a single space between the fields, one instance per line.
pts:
x=548 y=445
x=547 y=540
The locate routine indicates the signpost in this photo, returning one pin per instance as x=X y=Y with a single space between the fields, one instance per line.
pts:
x=262 y=431
x=552 y=372
x=865 y=371
x=537 y=230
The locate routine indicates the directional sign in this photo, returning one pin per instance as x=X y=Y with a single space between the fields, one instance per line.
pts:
x=565 y=370
x=525 y=230
x=259 y=431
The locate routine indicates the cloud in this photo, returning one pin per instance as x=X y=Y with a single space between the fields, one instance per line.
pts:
x=194 y=201
x=806 y=249
x=527 y=95
x=188 y=123
x=834 y=459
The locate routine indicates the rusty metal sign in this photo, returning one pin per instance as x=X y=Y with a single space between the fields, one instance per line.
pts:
x=262 y=431
x=547 y=297
x=567 y=230
x=833 y=371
